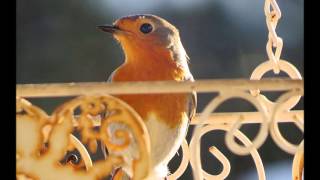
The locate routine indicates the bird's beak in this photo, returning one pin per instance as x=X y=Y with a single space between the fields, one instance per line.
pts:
x=109 y=28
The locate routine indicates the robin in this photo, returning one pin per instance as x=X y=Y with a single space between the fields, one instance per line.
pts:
x=153 y=52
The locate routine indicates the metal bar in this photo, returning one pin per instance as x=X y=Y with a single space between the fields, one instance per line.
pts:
x=232 y=117
x=94 y=88
x=249 y=117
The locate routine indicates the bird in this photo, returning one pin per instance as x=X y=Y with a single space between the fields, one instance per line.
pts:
x=153 y=52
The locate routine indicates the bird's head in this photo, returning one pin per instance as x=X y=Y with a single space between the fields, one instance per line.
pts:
x=141 y=34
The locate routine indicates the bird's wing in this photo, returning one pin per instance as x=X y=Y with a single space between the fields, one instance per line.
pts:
x=192 y=103
x=111 y=76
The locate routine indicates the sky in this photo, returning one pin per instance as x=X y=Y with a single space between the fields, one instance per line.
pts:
x=125 y=6
x=245 y=12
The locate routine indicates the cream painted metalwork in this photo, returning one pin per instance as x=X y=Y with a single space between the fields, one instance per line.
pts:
x=97 y=108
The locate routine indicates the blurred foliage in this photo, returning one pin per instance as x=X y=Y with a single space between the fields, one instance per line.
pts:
x=57 y=41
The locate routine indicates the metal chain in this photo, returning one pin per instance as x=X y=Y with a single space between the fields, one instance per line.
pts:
x=273 y=14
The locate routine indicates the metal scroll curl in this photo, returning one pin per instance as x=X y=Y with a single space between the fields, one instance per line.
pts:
x=278 y=108
x=34 y=127
x=224 y=161
x=184 y=162
x=232 y=130
x=271 y=114
x=298 y=163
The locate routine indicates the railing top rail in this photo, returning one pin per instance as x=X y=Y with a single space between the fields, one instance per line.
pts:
x=200 y=86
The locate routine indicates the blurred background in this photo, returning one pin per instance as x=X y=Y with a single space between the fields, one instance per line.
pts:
x=57 y=41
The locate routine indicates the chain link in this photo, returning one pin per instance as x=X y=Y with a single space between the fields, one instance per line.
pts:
x=274 y=48
x=273 y=14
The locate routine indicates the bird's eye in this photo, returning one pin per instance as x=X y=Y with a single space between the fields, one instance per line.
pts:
x=146 y=28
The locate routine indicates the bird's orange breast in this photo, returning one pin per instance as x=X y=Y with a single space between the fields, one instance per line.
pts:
x=169 y=108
